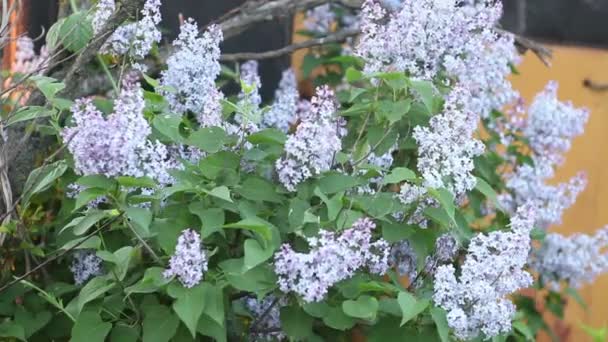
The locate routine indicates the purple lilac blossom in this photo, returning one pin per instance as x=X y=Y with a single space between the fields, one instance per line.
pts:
x=283 y=112
x=26 y=60
x=85 y=266
x=573 y=260
x=320 y=19
x=404 y=259
x=189 y=262
x=477 y=300
x=310 y=150
x=271 y=322
x=331 y=259
x=189 y=81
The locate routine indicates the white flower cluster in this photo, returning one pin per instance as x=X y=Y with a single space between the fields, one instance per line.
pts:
x=189 y=262
x=26 y=60
x=117 y=145
x=446 y=147
x=85 y=266
x=283 y=112
x=426 y=38
x=331 y=259
x=311 y=149
x=477 y=300
x=188 y=84
x=135 y=39
x=549 y=127
x=575 y=260
x=320 y=19
x=415 y=194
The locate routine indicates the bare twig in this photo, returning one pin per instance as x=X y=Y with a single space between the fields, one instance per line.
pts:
x=336 y=37
x=595 y=86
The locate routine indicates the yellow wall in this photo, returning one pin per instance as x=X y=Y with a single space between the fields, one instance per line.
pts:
x=570 y=66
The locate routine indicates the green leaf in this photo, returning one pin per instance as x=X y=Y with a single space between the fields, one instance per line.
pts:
x=87 y=195
x=140 y=219
x=212 y=219
x=214 y=303
x=208 y=139
x=76 y=31
x=572 y=292
x=52 y=36
x=30 y=321
x=82 y=224
x=441 y=322
x=216 y=163
x=168 y=125
x=255 y=254
x=136 y=182
x=427 y=92
x=394 y=111
x=295 y=322
x=188 y=305
x=355 y=93
x=90 y=328
x=524 y=329
x=160 y=324
x=254 y=224
x=151 y=81
x=12 y=329
x=96 y=181
x=29 y=113
x=397 y=232
x=333 y=182
x=48 y=86
x=41 y=179
x=538 y=234
x=123 y=259
x=152 y=280
x=92 y=290
x=334 y=205
x=398 y=175
x=125 y=333
x=365 y=307
x=410 y=306
x=259 y=189
x=353 y=75
x=92 y=242
x=337 y=319
x=485 y=188
x=208 y=327
x=268 y=136
x=221 y=192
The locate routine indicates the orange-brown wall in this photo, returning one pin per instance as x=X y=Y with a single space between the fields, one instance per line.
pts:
x=570 y=67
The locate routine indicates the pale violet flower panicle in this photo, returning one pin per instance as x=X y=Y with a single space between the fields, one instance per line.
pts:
x=416 y=194
x=552 y=124
x=550 y=127
x=85 y=266
x=135 y=39
x=283 y=112
x=26 y=59
x=447 y=147
x=249 y=99
x=446 y=248
x=320 y=19
x=189 y=262
x=103 y=10
x=270 y=324
x=108 y=146
x=331 y=259
x=189 y=81
x=477 y=300
x=574 y=260
x=310 y=150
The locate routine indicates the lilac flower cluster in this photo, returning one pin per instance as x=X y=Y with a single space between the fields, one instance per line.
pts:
x=404 y=259
x=331 y=259
x=135 y=39
x=575 y=260
x=26 y=60
x=249 y=100
x=271 y=322
x=415 y=194
x=283 y=112
x=188 y=84
x=477 y=300
x=430 y=37
x=117 y=145
x=189 y=262
x=311 y=149
x=85 y=266
x=447 y=147
x=549 y=127
x=320 y=19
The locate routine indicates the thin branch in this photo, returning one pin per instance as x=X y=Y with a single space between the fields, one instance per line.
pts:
x=336 y=37
x=595 y=86
x=51 y=259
